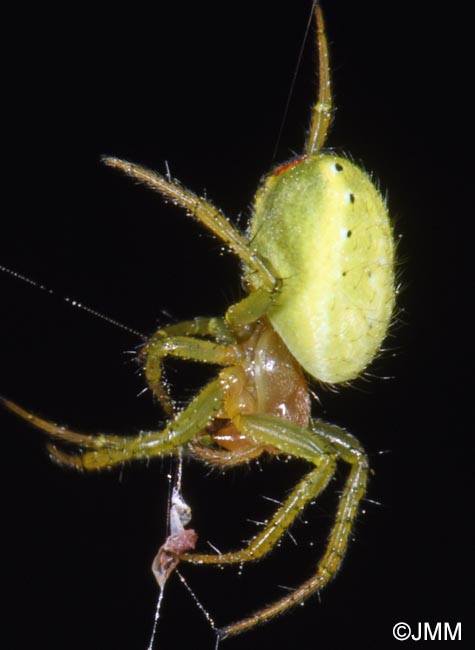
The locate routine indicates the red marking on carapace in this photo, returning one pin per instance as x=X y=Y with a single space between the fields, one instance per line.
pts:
x=288 y=165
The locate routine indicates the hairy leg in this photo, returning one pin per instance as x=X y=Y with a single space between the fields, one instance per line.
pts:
x=107 y=450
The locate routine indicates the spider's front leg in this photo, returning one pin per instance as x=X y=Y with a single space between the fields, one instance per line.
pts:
x=189 y=340
x=180 y=341
x=107 y=450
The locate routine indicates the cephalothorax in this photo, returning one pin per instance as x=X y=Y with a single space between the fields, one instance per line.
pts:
x=318 y=264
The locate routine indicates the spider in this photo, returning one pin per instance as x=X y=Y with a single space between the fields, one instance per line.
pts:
x=318 y=268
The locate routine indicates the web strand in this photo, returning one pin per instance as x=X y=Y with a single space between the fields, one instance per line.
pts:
x=71 y=301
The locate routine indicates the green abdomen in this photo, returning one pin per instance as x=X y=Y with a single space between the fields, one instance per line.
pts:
x=325 y=230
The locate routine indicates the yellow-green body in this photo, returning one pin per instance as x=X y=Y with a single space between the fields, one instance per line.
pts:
x=324 y=228
x=319 y=265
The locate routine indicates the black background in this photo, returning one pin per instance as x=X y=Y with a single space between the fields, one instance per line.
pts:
x=203 y=86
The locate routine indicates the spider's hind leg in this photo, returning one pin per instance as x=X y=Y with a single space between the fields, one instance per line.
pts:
x=349 y=450
x=293 y=440
x=322 y=445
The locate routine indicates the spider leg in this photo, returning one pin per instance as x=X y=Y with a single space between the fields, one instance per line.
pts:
x=253 y=307
x=205 y=212
x=322 y=112
x=307 y=489
x=175 y=341
x=214 y=328
x=350 y=451
x=322 y=446
x=106 y=451
x=58 y=431
x=295 y=441
x=222 y=458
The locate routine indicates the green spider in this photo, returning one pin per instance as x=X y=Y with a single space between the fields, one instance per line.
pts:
x=318 y=265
